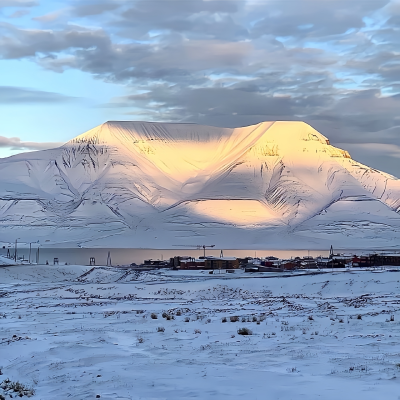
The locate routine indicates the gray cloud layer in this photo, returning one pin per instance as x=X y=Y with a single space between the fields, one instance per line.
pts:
x=332 y=63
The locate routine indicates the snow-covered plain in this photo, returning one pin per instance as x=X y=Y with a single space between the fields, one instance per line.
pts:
x=276 y=185
x=76 y=332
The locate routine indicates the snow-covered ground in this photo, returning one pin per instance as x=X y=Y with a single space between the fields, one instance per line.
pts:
x=6 y=261
x=76 y=332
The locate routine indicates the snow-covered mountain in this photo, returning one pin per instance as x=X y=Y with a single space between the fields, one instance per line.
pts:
x=157 y=185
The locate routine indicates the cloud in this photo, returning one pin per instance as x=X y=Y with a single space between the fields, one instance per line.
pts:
x=313 y=19
x=17 y=95
x=19 y=13
x=333 y=63
x=196 y=18
x=390 y=150
x=157 y=12
x=18 y=43
x=17 y=3
x=96 y=8
x=50 y=17
x=15 y=143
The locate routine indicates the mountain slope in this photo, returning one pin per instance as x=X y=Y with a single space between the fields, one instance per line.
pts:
x=141 y=184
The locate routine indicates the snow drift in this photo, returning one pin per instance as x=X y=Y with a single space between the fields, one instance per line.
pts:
x=157 y=185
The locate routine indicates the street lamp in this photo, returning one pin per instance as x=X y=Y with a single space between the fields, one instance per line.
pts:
x=15 y=253
x=37 y=253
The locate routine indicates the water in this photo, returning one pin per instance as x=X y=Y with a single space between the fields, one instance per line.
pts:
x=128 y=256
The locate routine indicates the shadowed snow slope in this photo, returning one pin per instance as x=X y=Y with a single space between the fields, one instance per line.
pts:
x=141 y=184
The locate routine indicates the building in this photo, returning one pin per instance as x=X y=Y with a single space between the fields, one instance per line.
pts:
x=376 y=260
x=222 y=263
x=156 y=263
x=209 y=263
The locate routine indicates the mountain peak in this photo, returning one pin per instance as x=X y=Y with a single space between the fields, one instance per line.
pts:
x=148 y=184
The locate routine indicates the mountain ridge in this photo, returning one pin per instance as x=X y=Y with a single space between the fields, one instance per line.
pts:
x=144 y=184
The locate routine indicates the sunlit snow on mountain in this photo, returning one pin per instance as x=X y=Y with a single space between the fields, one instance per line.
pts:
x=156 y=185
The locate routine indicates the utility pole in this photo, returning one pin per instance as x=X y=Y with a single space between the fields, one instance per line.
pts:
x=15 y=253
x=30 y=250
x=204 y=249
x=198 y=246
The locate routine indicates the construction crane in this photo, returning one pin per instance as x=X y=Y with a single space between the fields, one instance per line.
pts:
x=197 y=246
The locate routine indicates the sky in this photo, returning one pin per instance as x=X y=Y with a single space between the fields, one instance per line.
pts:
x=67 y=66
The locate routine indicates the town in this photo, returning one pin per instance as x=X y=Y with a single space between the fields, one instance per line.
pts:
x=273 y=264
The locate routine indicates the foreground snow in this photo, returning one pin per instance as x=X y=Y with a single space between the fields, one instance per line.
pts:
x=75 y=332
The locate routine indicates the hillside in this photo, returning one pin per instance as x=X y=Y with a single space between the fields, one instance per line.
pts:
x=140 y=184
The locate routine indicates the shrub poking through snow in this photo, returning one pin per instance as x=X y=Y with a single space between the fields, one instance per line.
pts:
x=164 y=314
x=244 y=331
x=224 y=319
x=187 y=319
x=391 y=318
x=18 y=388
x=310 y=318
x=359 y=316
x=160 y=329
x=234 y=318
x=197 y=331
x=178 y=313
x=154 y=316
x=140 y=340
x=254 y=318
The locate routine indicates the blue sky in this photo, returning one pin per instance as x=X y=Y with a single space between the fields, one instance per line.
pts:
x=68 y=66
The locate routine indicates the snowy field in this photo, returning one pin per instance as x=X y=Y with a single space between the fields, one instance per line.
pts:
x=72 y=332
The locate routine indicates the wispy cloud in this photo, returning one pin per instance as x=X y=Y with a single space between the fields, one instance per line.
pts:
x=19 y=13
x=15 y=143
x=12 y=95
x=389 y=150
x=18 y=3
x=50 y=17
